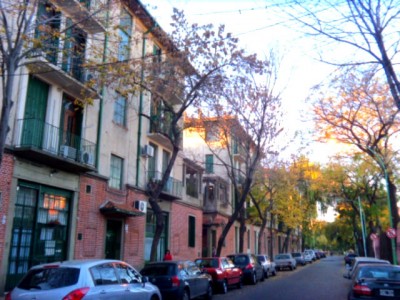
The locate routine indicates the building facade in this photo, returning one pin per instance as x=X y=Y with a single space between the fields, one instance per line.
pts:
x=75 y=175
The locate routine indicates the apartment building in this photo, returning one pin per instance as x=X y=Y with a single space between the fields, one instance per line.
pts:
x=75 y=175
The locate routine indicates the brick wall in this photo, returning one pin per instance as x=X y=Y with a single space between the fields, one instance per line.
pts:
x=179 y=237
x=91 y=223
x=6 y=174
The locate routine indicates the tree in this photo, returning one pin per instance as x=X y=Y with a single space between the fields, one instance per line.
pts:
x=361 y=113
x=243 y=121
x=367 y=26
x=198 y=65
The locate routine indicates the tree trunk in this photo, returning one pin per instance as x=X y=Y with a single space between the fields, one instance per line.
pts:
x=159 y=228
x=7 y=84
x=242 y=230
x=260 y=237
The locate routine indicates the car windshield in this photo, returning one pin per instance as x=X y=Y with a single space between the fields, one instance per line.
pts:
x=49 y=278
x=207 y=263
x=158 y=270
x=240 y=259
x=261 y=258
x=282 y=256
x=296 y=254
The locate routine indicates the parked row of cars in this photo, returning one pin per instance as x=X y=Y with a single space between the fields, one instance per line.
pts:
x=115 y=279
x=372 y=278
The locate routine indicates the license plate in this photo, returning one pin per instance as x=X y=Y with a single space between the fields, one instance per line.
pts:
x=387 y=293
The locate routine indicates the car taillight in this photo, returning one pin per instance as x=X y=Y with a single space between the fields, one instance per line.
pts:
x=8 y=296
x=249 y=266
x=362 y=290
x=175 y=280
x=77 y=294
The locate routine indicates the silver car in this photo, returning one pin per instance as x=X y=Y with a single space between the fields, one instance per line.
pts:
x=84 y=279
x=285 y=261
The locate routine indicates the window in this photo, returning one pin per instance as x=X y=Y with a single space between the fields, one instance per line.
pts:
x=120 y=111
x=192 y=182
x=192 y=231
x=209 y=163
x=116 y=172
x=125 y=32
x=212 y=134
x=104 y=274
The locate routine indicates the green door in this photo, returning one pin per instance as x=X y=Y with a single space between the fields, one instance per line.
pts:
x=113 y=239
x=39 y=232
x=35 y=113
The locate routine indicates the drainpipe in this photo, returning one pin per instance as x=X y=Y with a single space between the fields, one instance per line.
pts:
x=139 y=134
x=100 y=118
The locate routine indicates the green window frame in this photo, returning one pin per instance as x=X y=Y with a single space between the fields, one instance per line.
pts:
x=192 y=231
x=125 y=33
x=116 y=165
x=209 y=163
x=120 y=110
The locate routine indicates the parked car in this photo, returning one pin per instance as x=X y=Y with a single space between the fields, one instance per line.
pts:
x=348 y=259
x=180 y=279
x=285 y=261
x=267 y=264
x=312 y=253
x=375 y=281
x=223 y=272
x=308 y=257
x=251 y=268
x=299 y=257
x=84 y=279
x=358 y=261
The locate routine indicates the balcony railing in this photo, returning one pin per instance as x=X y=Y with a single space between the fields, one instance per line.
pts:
x=36 y=135
x=172 y=188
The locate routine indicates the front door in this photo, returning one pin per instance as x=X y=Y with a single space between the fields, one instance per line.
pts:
x=39 y=232
x=113 y=239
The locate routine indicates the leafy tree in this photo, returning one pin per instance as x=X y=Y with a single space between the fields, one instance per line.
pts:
x=199 y=66
x=361 y=113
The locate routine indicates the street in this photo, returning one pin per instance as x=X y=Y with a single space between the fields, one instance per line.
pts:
x=321 y=280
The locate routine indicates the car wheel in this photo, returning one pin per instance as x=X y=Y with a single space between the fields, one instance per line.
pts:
x=291 y=268
x=224 y=287
x=185 y=295
x=209 y=294
x=262 y=276
x=254 y=278
x=154 y=297
x=274 y=273
x=266 y=275
x=239 y=285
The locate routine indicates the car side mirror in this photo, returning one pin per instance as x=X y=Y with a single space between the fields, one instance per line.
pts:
x=346 y=275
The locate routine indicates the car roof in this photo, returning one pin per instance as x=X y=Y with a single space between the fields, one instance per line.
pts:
x=368 y=259
x=78 y=263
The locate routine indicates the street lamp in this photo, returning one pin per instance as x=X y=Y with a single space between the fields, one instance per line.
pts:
x=383 y=167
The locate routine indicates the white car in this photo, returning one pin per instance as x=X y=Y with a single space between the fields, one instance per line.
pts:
x=308 y=257
x=285 y=261
x=84 y=279
x=312 y=253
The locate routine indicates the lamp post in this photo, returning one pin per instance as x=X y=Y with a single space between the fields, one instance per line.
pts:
x=383 y=167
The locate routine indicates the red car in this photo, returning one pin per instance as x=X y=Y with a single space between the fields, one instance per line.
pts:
x=223 y=272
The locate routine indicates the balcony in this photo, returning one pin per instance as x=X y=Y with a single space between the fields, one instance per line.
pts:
x=50 y=145
x=87 y=13
x=172 y=189
x=160 y=130
x=48 y=70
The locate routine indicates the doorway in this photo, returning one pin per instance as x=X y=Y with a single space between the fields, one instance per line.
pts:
x=113 y=239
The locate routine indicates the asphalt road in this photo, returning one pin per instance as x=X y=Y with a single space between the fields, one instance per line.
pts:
x=322 y=280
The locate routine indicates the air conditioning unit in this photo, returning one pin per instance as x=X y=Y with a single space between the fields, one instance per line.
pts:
x=141 y=205
x=87 y=158
x=68 y=152
x=148 y=151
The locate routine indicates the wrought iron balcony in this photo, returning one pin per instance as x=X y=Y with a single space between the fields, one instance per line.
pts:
x=87 y=13
x=52 y=145
x=172 y=189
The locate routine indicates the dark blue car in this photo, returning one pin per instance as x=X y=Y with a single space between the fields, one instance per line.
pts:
x=181 y=280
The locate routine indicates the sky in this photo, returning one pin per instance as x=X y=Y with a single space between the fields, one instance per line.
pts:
x=261 y=26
